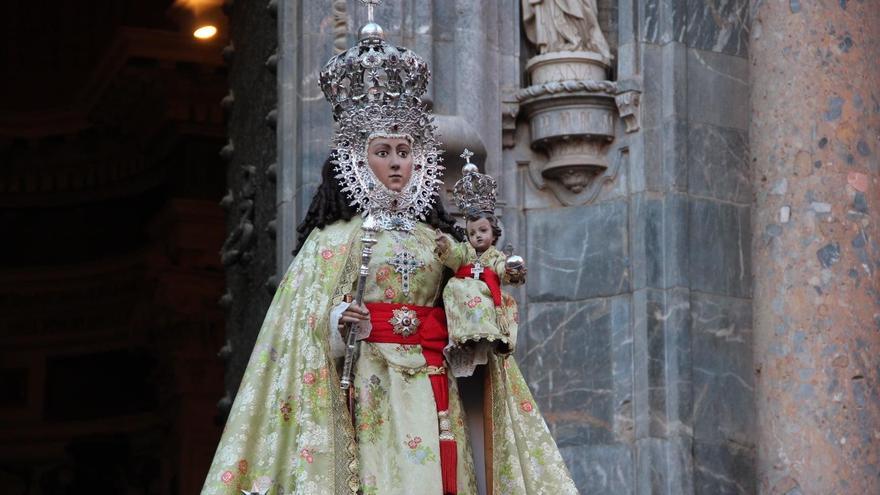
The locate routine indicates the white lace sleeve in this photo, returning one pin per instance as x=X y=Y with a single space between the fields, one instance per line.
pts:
x=337 y=345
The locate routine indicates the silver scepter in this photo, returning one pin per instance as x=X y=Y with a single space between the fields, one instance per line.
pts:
x=370 y=229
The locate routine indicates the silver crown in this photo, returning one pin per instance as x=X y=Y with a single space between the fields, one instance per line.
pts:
x=375 y=90
x=374 y=71
x=474 y=191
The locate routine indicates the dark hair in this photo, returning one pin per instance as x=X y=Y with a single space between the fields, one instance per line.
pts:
x=330 y=205
x=474 y=215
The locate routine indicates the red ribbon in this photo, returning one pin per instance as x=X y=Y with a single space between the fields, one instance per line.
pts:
x=432 y=335
x=488 y=276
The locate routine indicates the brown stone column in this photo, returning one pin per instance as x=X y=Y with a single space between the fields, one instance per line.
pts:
x=815 y=79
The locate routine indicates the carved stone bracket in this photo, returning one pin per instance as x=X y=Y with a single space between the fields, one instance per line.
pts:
x=572 y=112
x=509 y=111
x=628 y=105
x=587 y=188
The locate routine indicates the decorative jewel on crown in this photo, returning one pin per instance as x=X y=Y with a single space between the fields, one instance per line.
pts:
x=474 y=191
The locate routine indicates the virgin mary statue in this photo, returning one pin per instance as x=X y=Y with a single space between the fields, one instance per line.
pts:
x=402 y=431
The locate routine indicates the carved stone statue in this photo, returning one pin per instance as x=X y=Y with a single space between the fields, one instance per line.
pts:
x=564 y=25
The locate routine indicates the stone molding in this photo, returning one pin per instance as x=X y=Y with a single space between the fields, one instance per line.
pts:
x=589 y=86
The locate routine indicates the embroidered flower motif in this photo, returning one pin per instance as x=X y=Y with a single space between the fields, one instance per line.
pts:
x=526 y=406
x=326 y=254
x=417 y=453
x=370 y=406
x=383 y=274
x=389 y=293
x=243 y=466
x=325 y=372
x=343 y=249
x=472 y=303
x=227 y=477
x=307 y=455
x=312 y=319
x=286 y=410
x=413 y=443
x=309 y=378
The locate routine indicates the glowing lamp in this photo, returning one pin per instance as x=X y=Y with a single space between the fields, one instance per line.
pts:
x=205 y=32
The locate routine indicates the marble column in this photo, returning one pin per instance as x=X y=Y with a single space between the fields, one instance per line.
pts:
x=815 y=82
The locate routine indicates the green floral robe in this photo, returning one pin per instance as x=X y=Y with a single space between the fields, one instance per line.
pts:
x=470 y=311
x=289 y=432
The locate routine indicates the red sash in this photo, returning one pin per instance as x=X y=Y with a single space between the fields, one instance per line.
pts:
x=488 y=276
x=433 y=336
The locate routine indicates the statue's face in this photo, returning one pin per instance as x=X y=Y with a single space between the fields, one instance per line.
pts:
x=391 y=161
x=480 y=234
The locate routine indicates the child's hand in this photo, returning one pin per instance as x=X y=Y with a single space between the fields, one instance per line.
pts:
x=442 y=242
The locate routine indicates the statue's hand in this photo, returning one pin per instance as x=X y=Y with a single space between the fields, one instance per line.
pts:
x=354 y=314
x=442 y=241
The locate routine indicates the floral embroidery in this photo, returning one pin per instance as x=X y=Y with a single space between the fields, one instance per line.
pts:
x=286 y=409
x=526 y=406
x=413 y=442
x=309 y=378
x=307 y=455
x=327 y=254
x=418 y=453
x=227 y=477
x=370 y=410
x=383 y=274
x=312 y=319
x=472 y=303
x=243 y=466
x=389 y=293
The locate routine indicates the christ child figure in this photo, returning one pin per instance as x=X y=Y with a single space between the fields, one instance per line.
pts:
x=480 y=317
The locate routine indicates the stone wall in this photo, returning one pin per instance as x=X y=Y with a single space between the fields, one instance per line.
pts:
x=638 y=341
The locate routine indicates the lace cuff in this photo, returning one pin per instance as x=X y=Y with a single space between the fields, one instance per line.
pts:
x=337 y=345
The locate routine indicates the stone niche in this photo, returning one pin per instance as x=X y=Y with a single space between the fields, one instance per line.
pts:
x=572 y=108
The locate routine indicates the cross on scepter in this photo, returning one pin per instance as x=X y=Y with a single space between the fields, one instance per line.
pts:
x=370 y=5
x=467 y=155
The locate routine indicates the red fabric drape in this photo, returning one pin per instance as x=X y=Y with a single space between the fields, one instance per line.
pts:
x=432 y=335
